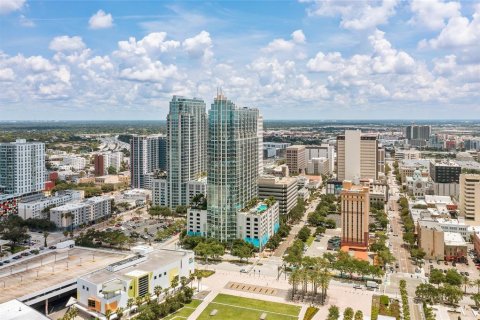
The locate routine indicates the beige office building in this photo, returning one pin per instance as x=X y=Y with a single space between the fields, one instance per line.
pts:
x=296 y=159
x=284 y=190
x=355 y=209
x=469 y=204
x=438 y=244
x=357 y=156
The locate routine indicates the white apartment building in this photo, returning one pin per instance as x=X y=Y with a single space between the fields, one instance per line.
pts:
x=196 y=222
x=110 y=288
x=357 y=156
x=74 y=162
x=258 y=224
x=407 y=155
x=74 y=214
x=323 y=151
x=469 y=202
x=283 y=189
x=318 y=166
x=22 y=167
x=34 y=209
x=159 y=192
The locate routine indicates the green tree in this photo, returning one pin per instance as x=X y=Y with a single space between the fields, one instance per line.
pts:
x=45 y=236
x=112 y=170
x=452 y=294
x=304 y=234
x=476 y=299
x=333 y=313
x=242 y=249
x=348 y=314
x=359 y=315
x=436 y=276
x=453 y=278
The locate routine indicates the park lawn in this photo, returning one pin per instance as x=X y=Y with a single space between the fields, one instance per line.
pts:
x=184 y=312
x=233 y=307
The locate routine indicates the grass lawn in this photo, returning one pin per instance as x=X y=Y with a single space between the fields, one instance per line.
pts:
x=233 y=307
x=184 y=312
x=310 y=240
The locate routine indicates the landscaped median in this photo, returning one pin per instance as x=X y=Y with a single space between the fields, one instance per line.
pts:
x=233 y=307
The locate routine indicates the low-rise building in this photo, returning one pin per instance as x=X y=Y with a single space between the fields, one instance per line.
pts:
x=73 y=214
x=110 y=288
x=34 y=209
x=254 y=225
x=258 y=224
x=74 y=162
x=318 y=166
x=407 y=155
x=438 y=244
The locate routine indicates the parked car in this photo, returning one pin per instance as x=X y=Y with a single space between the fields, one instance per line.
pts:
x=6 y=261
x=467 y=274
x=243 y=271
x=17 y=257
x=52 y=247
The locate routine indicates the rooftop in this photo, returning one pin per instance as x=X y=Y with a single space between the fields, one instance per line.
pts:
x=153 y=261
x=14 y=309
x=453 y=239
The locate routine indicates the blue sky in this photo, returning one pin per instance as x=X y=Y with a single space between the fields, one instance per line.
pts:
x=308 y=59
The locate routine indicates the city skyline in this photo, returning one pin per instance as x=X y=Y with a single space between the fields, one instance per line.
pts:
x=307 y=59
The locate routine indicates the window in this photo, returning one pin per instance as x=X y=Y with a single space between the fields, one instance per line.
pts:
x=91 y=303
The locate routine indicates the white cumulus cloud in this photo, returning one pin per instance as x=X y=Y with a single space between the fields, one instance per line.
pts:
x=356 y=15
x=100 y=20
x=66 y=43
x=199 y=46
x=7 y=6
x=433 y=13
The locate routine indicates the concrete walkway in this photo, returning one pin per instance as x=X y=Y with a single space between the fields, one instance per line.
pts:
x=209 y=298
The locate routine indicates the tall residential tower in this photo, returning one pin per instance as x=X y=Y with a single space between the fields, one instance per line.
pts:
x=186 y=147
x=22 y=167
x=232 y=165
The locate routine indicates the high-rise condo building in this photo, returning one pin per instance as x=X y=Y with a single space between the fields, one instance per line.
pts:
x=260 y=143
x=469 y=204
x=232 y=165
x=186 y=147
x=355 y=208
x=357 y=156
x=22 y=167
x=417 y=132
x=296 y=159
x=145 y=157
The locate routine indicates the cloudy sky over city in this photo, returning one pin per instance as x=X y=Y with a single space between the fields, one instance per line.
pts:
x=417 y=59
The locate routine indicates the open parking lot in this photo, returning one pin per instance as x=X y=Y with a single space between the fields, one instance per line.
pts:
x=318 y=248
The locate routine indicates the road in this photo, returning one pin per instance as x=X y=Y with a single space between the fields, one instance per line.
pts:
x=280 y=251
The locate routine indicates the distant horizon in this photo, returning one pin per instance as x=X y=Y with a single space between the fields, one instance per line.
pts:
x=279 y=120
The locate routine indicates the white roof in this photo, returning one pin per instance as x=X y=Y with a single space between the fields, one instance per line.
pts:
x=453 y=239
x=14 y=309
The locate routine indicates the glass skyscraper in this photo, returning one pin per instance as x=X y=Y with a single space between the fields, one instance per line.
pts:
x=186 y=146
x=232 y=165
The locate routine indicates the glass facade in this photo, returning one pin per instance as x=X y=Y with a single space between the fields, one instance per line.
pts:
x=232 y=165
x=186 y=146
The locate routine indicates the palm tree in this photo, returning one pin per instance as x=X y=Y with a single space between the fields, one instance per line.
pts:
x=293 y=280
x=191 y=277
x=466 y=282
x=130 y=302
x=157 y=290
x=65 y=233
x=138 y=301
x=174 y=283
x=119 y=313
x=45 y=236
x=183 y=281
x=147 y=298
x=108 y=314
x=324 y=279
x=476 y=282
